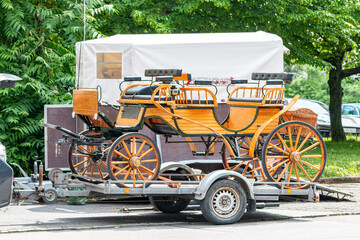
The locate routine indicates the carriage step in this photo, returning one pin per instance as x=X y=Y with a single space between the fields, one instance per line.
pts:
x=202 y=154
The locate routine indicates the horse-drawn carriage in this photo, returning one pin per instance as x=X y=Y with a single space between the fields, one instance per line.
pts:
x=256 y=140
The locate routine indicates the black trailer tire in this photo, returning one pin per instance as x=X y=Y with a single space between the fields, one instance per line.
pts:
x=50 y=196
x=169 y=204
x=224 y=203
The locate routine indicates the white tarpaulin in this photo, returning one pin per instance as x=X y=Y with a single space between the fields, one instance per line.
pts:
x=210 y=56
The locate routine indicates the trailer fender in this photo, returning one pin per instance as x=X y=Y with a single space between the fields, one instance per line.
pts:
x=169 y=165
x=212 y=177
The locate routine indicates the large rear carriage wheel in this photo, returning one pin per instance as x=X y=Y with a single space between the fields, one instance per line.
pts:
x=294 y=152
x=134 y=157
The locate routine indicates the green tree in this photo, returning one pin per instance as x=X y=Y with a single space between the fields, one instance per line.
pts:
x=322 y=33
x=37 y=41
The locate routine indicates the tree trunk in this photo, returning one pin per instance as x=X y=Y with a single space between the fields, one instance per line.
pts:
x=336 y=93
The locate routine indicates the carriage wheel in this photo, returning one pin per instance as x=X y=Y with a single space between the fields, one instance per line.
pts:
x=89 y=160
x=250 y=167
x=133 y=157
x=294 y=152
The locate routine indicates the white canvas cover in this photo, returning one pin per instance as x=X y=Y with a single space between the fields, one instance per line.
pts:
x=210 y=56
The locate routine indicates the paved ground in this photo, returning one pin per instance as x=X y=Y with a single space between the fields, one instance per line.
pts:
x=61 y=216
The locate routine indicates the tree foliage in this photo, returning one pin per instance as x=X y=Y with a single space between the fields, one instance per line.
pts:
x=37 y=41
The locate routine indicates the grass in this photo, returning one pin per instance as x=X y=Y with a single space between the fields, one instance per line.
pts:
x=343 y=158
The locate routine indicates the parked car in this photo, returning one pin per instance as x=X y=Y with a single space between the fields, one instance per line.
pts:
x=351 y=124
x=351 y=109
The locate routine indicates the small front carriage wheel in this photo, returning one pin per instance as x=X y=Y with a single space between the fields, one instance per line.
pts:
x=294 y=152
x=224 y=203
x=133 y=157
x=89 y=159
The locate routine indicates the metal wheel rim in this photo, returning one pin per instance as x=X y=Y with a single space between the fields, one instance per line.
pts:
x=225 y=202
x=50 y=196
x=289 y=166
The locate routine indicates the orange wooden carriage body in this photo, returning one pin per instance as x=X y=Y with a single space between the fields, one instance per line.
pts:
x=170 y=108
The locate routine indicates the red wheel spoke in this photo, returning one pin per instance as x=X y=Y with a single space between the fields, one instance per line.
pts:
x=100 y=172
x=310 y=165
x=140 y=148
x=80 y=163
x=274 y=168
x=290 y=172
x=103 y=163
x=283 y=172
x=149 y=160
x=145 y=153
x=297 y=173
x=290 y=138
x=85 y=169
x=283 y=142
x=133 y=146
x=120 y=169
x=297 y=138
x=304 y=171
x=118 y=162
x=148 y=171
x=92 y=171
x=277 y=157
x=134 y=176
x=245 y=169
x=304 y=141
x=84 y=149
x=310 y=147
x=141 y=176
x=312 y=156
x=279 y=149
x=120 y=154
x=127 y=174
x=237 y=166
x=126 y=149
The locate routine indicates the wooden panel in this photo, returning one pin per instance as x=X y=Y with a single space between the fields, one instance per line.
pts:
x=264 y=115
x=85 y=102
x=240 y=117
x=203 y=116
x=125 y=121
x=157 y=112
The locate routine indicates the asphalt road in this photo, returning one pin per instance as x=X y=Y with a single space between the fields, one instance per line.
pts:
x=329 y=219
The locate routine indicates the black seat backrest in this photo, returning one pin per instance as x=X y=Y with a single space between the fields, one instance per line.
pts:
x=142 y=90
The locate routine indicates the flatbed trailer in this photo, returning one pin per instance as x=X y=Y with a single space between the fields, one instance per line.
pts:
x=223 y=195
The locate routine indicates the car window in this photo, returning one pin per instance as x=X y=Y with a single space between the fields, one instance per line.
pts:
x=348 y=110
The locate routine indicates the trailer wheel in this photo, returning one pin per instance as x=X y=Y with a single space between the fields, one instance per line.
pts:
x=50 y=196
x=169 y=204
x=133 y=157
x=224 y=203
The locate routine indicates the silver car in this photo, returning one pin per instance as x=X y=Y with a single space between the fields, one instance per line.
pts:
x=351 y=124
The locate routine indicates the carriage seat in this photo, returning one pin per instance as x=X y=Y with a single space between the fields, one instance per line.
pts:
x=249 y=99
x=142 y=93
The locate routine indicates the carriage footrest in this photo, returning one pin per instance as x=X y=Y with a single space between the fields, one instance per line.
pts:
x=202 y=154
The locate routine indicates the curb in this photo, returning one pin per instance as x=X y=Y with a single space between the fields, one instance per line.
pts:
x=340 y=180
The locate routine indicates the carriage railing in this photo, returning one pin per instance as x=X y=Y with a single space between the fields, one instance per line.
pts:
x=195 y=96
x=260 y=95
